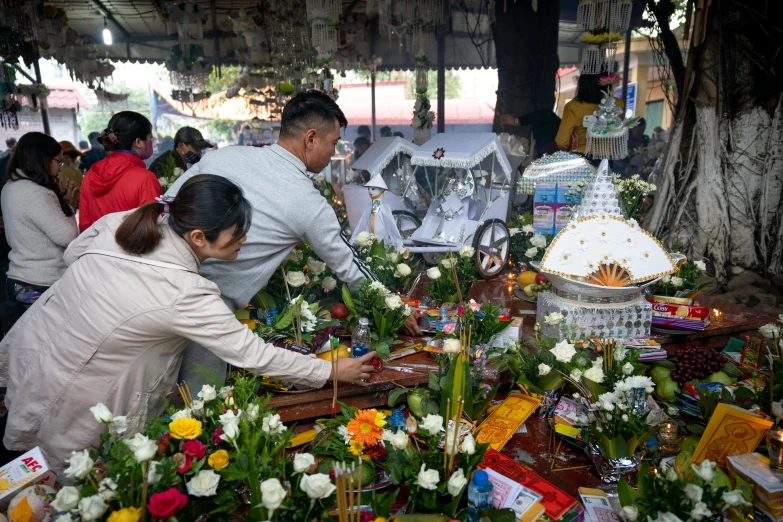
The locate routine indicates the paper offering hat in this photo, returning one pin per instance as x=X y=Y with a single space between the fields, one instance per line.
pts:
x=377 y=182
x=607 y=131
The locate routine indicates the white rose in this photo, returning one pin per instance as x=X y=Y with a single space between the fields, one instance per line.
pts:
x=317 y=486
x=119 y=424
x=451 y=346
x=705 y=470
x=182 y=414
x=252 y=412
x=271 y=425
x=576 y=374
x=101 y=413
x=230 y=432
x=529 y=229
x=433 y=273
x=770 y=330
x=777 y=409
x=67 y=499
x=466 y=251
x=393 y=301
x=406 y=310
x=230 y=417
x=379 y=287
x=620 y=352
x=538 y=241
x=428 y=478
x=393 y=257
x=563 y=351
x=364 y=239
x=468 y=446
x=143 y=447
x=676 y=282
x=544 y=369
x=693 y=492
x=665 y=279
x=302 y=462
x=627 y=368
x=631 y=513
x=272 y=494
x=329 y=283
x=204 y=484
x=699 y=511
x=177 y=172
x=153 y=476
x=295 y=279
x=92 y=508
x=457 y=482
x=107 y=489
x=595 y=374
x=447 y=262
x=223 y=392
x=399 y=440
x=207 y=393
x=531 y=252
x=671 y=474
x=701 y=265
x=315 y=267
x=80 y=464
x=432 y=424
x=735 y=498
x=65 y=517
x=624 y=417
x=402 y=270
x=553 y=319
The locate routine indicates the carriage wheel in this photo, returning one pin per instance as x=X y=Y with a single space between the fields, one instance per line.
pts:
x=492 y=246
x=407 y=222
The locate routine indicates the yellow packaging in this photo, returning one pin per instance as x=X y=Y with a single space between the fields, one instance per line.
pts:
x=503 y=422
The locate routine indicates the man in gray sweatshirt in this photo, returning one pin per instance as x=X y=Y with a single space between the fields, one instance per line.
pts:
x=287 y=209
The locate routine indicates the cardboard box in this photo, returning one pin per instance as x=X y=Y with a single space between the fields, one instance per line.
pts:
x=29 y=469
x=680 y=316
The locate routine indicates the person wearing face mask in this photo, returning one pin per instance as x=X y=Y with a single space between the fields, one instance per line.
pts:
x=188 y=147
x=120 y=181
x=287 y=210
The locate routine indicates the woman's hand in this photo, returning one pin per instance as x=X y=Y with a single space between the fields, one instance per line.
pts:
x=507 y=119
x=68 y=189
x=411 y=325
x=353 y=370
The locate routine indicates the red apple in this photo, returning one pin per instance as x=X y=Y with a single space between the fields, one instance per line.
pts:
x=541 y=279
x=339 y=311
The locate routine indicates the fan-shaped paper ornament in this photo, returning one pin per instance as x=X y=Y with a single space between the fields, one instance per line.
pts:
x=580 y=249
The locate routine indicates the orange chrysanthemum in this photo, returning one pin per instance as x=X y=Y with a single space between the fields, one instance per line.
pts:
x=365 y=427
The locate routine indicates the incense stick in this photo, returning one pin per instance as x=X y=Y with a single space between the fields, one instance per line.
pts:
x=446 y=440
x=456 y=279
x=350 y=493
x=334 y=380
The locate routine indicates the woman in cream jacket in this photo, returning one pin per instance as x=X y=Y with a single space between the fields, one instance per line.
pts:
x=113 y=329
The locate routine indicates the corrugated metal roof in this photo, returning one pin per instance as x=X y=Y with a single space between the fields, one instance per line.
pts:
x=62 y=98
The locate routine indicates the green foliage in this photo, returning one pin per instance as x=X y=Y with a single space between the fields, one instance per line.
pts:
x=384 y=310
x=444 y=288
x=453 y=84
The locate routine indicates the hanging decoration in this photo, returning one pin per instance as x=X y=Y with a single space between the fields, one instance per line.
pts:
x=607 y=132
x=51 y=28
x=324 y=81
x=324 y=16
x=599 y=52
x=188 y=73
x=412 y=22
x=422 y=115
x=186 y=20
x=606 y=20
x=10 y=105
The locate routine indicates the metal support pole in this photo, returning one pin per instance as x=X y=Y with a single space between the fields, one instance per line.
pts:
x=626 y=67
x=441 y=34
x=44 y=109
x=372 y=96
x=217 y=39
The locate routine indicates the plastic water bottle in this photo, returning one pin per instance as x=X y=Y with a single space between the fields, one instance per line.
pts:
x=443 y=319
x=481 y=495
x=360 y=339
x=397 y=420
x=271 y=317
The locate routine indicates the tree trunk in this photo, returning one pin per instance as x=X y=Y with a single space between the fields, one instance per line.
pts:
x=526 y=47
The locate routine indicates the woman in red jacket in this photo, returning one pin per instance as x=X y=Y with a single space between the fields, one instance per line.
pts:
x=120 y=181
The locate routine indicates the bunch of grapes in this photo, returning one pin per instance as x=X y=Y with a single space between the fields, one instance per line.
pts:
x=696 y=362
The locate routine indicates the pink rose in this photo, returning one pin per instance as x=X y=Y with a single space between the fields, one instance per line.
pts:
x=449 y=328
x=474 y=306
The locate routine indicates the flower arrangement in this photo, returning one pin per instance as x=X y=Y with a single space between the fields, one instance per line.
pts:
x=694 y=494
x=393 y=267
x=383 y=308
x=526 y=245
x=773 y=386
x=443 y=286
x=298 y=321
x=423 y=117
x=683 y=282
x=305 y=273
x=483 y=321
x=327 y=190
x=170 y=174
x=436 y=477
x=633 y=193
x=223 y=453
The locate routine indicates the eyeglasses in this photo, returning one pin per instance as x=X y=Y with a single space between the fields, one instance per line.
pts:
x=59 y=161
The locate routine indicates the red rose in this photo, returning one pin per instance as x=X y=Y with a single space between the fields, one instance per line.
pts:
x=216 y=436
x=195 y=449
x=183 y=461
x=377 y=452
x=164 y=443
x=166 y=504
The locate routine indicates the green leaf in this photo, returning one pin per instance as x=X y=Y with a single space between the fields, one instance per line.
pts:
x=696 y=429
x=348 y=299
x=396 y=395
x=551 y=381
x=432 y=383
x=593 y=387
x=480 y=406
x=498 y=515
x=627 y=494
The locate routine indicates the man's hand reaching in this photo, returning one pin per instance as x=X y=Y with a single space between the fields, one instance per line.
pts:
x=411 y=326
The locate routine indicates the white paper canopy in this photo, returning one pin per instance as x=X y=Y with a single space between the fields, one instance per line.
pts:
x=381 y=153
x=464 y=151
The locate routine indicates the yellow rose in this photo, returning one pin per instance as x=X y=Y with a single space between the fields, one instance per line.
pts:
x=219 y=459
x=183 y=428
x=129 y=514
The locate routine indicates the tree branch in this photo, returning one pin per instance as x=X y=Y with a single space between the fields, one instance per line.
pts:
x=662 y=11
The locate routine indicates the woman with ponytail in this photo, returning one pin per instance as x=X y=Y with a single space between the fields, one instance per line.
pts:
x=39 y=220
x=114 y=328
x=120 y=181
